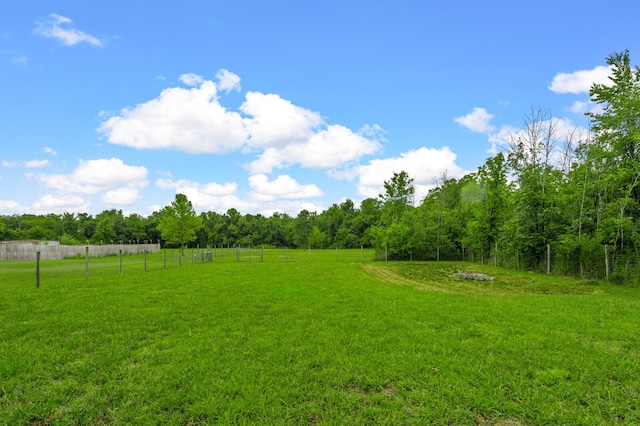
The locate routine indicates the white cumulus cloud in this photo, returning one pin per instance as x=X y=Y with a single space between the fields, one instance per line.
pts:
x=59 y=203
x=284 y=187
x=291 y=207
x=121 y=196
x=12 y=207
x=424 y=165
x=580 y=81
x=191 y=79
x=95 y=176
x=57 y=26
x=276 y=122
x=333 y=147
x=185 y=185
x=498 y=138
x=228 y=81
x=275 y=130
x=579 y=107
x=35 y=164
x=283 y=194
x=476 y=121
x=190 y=120
x=211 y=196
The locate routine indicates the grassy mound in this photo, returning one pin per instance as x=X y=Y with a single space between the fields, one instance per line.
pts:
x=449 y=277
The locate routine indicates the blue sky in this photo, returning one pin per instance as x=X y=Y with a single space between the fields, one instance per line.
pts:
x=280 y=105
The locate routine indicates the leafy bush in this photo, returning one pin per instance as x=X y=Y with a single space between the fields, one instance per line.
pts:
x=68 y=240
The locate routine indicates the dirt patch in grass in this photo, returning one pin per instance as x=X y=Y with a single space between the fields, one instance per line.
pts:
x=484 y=421
x=391 y=275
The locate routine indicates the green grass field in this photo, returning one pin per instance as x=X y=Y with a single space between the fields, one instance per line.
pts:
x=319 y=338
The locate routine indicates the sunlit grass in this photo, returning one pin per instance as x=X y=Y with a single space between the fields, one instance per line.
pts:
x=313 y=341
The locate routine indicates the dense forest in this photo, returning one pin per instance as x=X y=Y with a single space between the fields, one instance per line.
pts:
x=552 y=200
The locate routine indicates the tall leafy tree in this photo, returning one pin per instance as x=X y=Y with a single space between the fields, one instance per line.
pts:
x=441 y=213
x=303 y=228
x=317 y=238
x=276 y=229
x=365 y=221
x=208 y=235
x=329 y=222
x=179 y=222
x=488 y=194
x=398 y=195
x=3 y=229
x=616 y=153
x=617 y=124
x=346 y=236
x=395 y=228
x=151 y=226
x=110 y=227
x=135 y=227
x=530 y=157
x=69 y=227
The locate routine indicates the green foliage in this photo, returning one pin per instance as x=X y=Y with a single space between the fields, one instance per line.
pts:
x=68 y=225
x=617 y=127
x=135 y=227
x=398 y=196
x=317 y=238
x=69 y=240
x=303 y=228
x=178 y=223
x=86 y=226
x=105 y=229
x=616 y=151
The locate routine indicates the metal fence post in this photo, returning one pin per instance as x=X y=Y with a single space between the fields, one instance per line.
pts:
x=86 y=263
x=37 y=269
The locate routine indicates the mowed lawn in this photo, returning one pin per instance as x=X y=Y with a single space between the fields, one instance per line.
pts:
x=314 y=341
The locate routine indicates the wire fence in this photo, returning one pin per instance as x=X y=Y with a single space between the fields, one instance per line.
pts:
x=85 y=268
x=118 y=260
x=261 y=254
x=595 y=261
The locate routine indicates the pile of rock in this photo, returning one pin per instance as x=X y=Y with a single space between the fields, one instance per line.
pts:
x=474 y=276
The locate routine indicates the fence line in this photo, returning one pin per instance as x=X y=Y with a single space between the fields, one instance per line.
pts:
x=11 y=251
x=603 y=264
x=21 y=271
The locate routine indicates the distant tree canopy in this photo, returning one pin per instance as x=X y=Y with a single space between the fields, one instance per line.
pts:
x=574 y=194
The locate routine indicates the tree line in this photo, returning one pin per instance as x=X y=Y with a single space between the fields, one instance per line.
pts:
x=177 y=224
x=551 y=199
